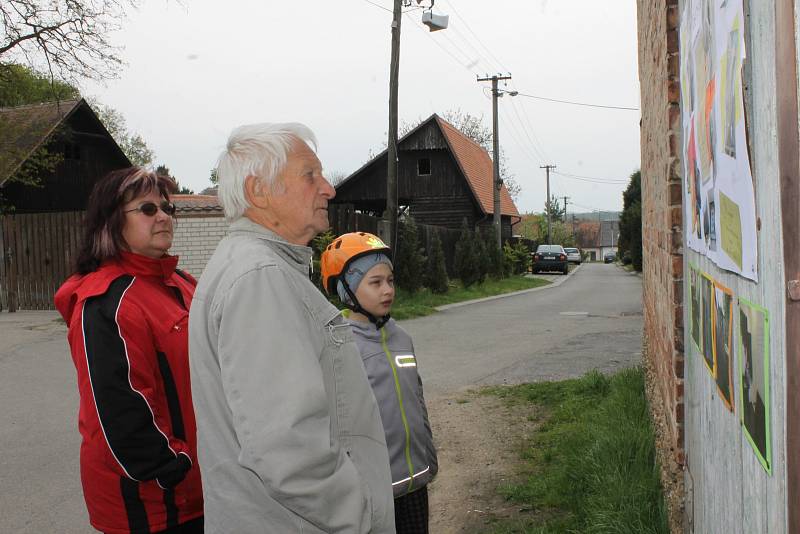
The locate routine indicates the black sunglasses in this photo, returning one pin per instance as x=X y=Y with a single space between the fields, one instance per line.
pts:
x=151 y=208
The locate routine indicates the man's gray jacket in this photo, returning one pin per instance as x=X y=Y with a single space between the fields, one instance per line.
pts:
x=289 y=435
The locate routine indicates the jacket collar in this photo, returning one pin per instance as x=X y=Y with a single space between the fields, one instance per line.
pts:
x=298 y=256
x=367 y=329
x=138 y=265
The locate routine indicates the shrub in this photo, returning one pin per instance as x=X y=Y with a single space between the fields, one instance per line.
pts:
x=517 y=257
x=409 y=259
x=318 y=245
x=497 y=268
x=436 y=278
x=465 y=259
x=483 y=262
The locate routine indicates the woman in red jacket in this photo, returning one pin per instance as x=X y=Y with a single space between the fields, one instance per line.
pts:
x=127 y=309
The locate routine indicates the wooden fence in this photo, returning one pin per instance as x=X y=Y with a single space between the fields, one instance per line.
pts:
x=38 y=253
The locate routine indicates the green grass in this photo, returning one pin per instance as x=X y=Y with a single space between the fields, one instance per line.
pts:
x=423 y=302
x=590 y=467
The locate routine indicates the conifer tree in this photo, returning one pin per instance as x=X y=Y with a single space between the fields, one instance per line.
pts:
x=465 y=260
x=483 y=261
x=409 y=260
x=437 y=270
x=496 y=258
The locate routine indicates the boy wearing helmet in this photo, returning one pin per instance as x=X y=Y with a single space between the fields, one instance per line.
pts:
x=357 y=268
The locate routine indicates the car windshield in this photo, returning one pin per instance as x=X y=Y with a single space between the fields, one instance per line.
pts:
x=549 y=248
x=571 y=249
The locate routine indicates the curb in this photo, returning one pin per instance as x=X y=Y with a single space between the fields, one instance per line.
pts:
x=512 y=294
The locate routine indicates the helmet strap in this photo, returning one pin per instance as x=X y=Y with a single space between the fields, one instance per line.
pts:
x=356 y=307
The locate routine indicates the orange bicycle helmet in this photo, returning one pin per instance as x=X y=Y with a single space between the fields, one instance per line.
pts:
x=343 y=250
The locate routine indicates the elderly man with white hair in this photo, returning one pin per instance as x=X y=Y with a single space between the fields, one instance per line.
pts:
x=289 y=434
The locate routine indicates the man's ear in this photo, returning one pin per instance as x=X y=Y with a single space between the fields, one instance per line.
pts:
x=256 y=192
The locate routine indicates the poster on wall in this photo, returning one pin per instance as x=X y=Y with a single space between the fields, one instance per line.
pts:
x=694 y=307
x=707 y=320
x=719 y=192
x=754 y=379
x=723 y=342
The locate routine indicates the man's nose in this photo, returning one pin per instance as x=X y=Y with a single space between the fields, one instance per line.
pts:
x=327 y=191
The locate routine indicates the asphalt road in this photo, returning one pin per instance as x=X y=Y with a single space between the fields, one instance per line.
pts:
x=593 y=319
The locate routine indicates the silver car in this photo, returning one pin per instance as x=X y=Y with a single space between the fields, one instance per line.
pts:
x=573 y=255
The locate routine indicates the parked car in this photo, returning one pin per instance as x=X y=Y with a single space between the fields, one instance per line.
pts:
x=550 y=258
x=609 y=257
x=573 y=255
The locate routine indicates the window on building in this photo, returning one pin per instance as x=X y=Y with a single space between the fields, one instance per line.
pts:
x=423 y=166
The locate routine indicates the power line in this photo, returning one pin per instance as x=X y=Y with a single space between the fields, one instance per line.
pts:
x=577 y=103
x=389 y=10
x=591 y=178
x=437 y=43
x=528 y=130
x=478 y=39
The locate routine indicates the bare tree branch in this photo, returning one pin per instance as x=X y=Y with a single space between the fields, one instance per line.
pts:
x=70 y=39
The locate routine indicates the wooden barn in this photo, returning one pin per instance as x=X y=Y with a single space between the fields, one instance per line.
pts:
x=68 y=131
x=443 y=177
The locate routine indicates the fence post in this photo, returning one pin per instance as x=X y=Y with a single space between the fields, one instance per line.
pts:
x=12 y=276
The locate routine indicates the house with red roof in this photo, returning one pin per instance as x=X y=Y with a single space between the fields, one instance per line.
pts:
x=443 y=178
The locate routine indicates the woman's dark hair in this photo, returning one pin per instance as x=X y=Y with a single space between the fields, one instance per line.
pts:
x=104 y=219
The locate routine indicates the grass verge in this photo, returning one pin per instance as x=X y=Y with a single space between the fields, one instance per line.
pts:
x=590 y=467
x=423 y=302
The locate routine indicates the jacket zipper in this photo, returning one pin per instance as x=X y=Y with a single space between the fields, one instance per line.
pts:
x=402 y=408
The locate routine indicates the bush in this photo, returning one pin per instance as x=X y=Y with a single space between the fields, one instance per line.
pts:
x=482 y=256
x=318 y=246
x=436 y=278
x=497 y=267
x=465 y=261
x=408 y=258
x=517 y=257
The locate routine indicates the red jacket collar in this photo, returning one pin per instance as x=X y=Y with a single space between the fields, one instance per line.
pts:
x=138 y=265
x=79 y=287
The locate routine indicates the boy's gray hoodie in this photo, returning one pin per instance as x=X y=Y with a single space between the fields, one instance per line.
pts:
x=391 y=366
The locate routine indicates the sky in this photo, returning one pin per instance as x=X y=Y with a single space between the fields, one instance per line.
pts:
x=198 y=68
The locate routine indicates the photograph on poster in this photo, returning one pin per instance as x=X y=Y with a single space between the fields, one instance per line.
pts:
x=731 y=69
x=707 y=320
x=694 y=307
x=754 y=379
x=723 y=342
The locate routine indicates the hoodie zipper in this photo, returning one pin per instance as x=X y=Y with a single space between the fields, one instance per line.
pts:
x=399 y=392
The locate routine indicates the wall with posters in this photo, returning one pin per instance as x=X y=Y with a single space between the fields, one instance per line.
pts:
x=734 y=283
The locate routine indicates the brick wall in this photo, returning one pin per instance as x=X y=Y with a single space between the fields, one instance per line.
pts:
x=662 y=229
x=195 y=239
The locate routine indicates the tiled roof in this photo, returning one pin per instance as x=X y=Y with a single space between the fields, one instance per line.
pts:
x=476 y=165
x=23 y=129
x=196 y=203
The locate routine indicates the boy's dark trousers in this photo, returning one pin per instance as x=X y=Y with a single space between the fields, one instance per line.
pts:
x=411 y=512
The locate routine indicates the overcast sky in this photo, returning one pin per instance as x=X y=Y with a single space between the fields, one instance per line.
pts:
x=199 y=69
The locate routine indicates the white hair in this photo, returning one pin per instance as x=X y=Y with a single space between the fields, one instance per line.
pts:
x=259 y=150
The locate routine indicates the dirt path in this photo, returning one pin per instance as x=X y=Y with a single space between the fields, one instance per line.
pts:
x=479 y=441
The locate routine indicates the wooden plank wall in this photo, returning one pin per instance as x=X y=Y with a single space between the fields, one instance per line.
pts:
x=727 y=488
x=38 y=255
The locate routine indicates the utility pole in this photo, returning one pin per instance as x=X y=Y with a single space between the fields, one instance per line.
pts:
x=548 y=204
x=496 y=181
x=389 y=235
x=566 y=198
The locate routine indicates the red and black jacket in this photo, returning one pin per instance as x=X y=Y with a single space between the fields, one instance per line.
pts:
x=128 y=325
